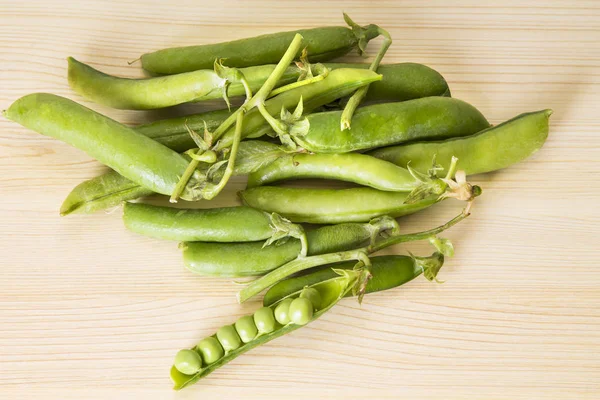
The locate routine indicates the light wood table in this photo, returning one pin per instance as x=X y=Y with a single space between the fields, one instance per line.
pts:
x=91 y=311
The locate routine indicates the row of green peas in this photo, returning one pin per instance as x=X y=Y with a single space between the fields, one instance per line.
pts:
x=265 y=320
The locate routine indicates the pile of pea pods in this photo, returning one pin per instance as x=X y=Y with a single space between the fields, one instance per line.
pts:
x=392 y=132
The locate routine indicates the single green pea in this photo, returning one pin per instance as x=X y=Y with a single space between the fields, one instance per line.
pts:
x=188 y=362
x=211 y=349
x=313 y=295
x=282 y=312
x=264 y=320
x=228 y=338
x=246 y=329
x=301 y=311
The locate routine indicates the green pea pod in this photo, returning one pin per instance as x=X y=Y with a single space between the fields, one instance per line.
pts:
x=392 y=123
x=132 y=154
x=331 y=291
x=388 y=272
x=489 y=150
x=228 y=224
x=331 y=206
x=249 y=259
x=164 y=91
x=111 y=189
x=400 y=82
x=350 y=167
x=101 y=193
x=323 y=44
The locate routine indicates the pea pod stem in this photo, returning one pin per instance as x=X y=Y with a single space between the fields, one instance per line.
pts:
x=298 y=84
x=295 y=266
x=288 y=57
x=303 y=263
x=247 y=89
x=258 y=98
x=211 y=190
x=397 y=239
x=183 y=181
x=360 y=94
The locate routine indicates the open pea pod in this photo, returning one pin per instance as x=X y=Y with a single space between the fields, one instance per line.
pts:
x=330 y=292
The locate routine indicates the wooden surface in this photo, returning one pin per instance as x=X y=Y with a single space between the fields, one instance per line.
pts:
x=89 y=310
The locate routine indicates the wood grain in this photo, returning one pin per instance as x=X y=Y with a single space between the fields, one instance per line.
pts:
x=89 y=310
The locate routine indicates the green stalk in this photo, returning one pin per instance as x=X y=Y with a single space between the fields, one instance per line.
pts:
x=295 y=85
x=303 y=263
x=211 y=190
x=360 y=94
x=258 y=98
x=397 y=239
